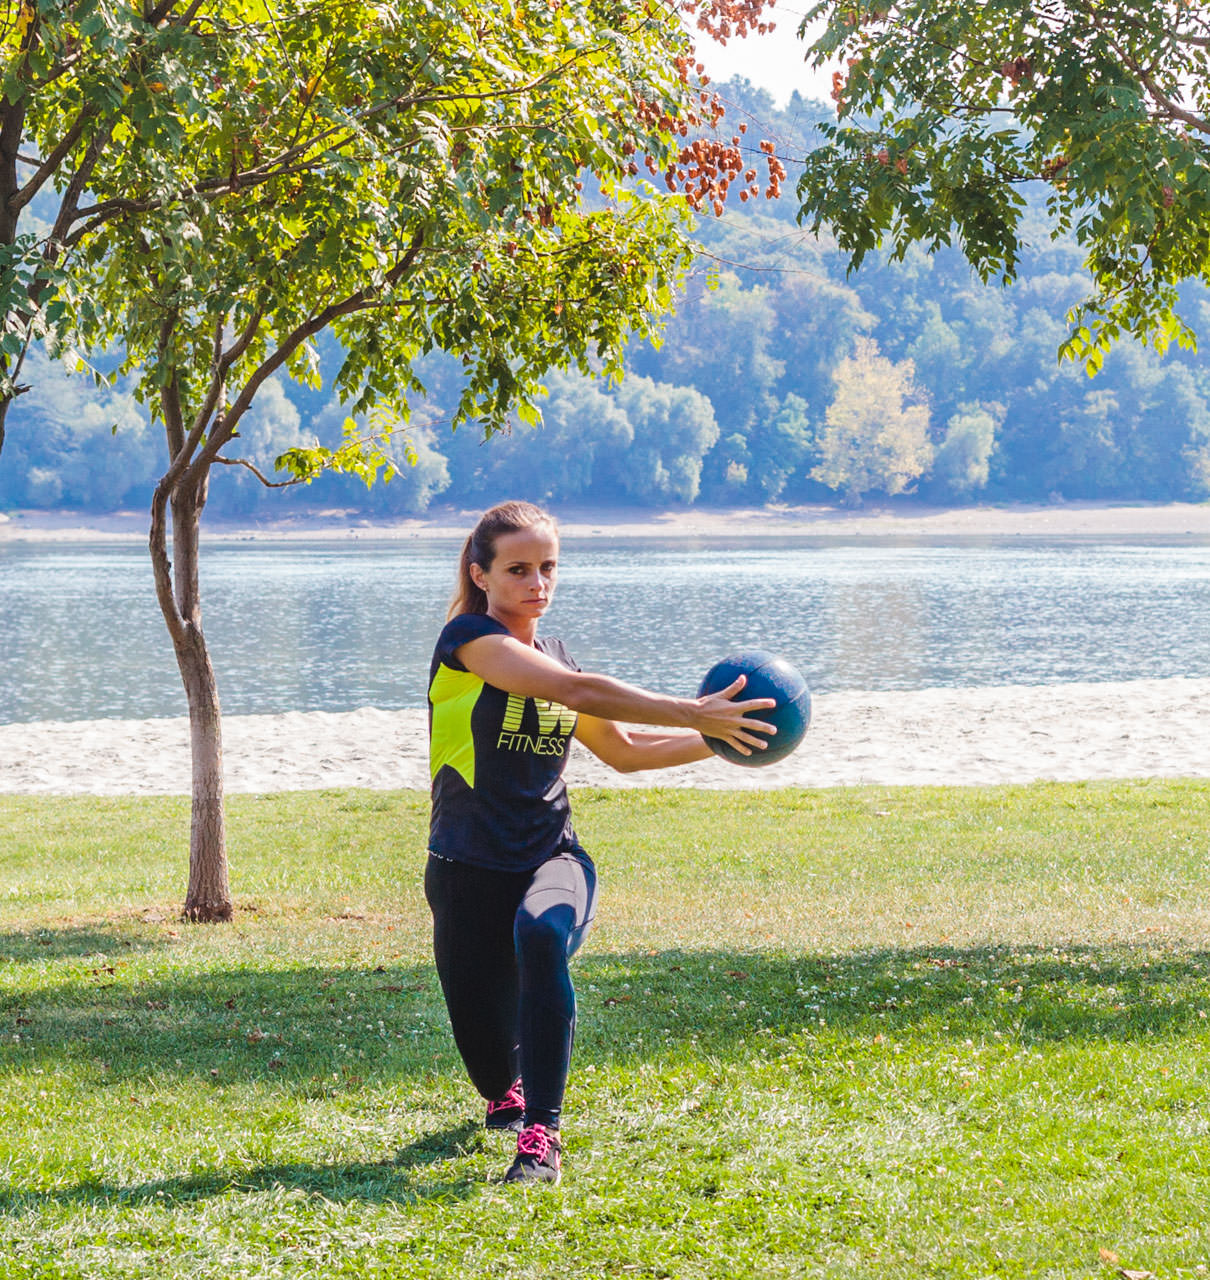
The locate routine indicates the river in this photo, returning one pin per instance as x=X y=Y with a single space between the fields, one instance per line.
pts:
x=330 y=626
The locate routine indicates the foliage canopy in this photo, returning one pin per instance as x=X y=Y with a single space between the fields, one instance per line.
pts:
x=947 y=110
x=876 y=437
x=412 y=181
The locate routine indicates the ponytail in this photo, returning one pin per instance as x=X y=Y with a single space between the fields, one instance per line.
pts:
x=468 y=598
x=480 y=549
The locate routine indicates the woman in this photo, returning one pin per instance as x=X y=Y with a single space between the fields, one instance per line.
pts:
x=511 y=890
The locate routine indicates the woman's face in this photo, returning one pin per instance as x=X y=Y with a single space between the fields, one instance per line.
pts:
x=521 y=581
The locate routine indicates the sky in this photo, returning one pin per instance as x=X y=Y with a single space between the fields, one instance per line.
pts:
x=773 y=62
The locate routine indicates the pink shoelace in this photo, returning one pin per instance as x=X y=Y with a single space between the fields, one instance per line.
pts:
x=534 y=1141
x=513 y=1098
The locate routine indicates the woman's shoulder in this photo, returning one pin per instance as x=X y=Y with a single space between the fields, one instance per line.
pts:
x=460 y=629
x=469 y=626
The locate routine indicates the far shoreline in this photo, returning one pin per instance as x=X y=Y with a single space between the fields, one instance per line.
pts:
x=884 y=520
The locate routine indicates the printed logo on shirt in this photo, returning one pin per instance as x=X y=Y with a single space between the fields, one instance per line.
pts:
x=556 y=723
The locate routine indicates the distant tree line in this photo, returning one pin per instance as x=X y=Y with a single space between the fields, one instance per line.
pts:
x=780 y=379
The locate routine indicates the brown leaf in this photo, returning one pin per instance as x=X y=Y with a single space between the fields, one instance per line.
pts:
x=1136 y=1275
x=1108 y=1255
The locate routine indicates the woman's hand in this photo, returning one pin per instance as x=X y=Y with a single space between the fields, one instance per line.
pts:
x=719 y=716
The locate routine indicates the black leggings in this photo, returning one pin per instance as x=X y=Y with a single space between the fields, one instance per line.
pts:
x=502 y=940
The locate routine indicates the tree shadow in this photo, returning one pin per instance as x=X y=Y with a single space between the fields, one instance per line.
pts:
x=294 y=1026
x=318 y=1033
x=392 y=1180
x=42 y=944
x=1033 y=994
x=299 y=1026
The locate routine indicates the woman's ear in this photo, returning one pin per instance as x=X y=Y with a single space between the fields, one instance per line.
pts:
x=476 y=572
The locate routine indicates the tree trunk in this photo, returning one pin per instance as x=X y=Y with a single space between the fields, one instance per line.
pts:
x=208 y=897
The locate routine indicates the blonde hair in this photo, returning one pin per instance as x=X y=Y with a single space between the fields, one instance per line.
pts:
x=480 y=549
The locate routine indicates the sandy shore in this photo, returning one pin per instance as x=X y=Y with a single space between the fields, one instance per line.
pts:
x=973 y=736
x=1072 y=519
x=1143 y=728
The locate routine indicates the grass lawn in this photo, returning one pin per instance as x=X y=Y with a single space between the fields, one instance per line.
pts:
x=869 y=1032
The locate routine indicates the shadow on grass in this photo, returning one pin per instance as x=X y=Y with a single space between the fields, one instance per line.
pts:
x=30 y=945
x=393 y=1180
x=1028 y=993
x=323 y=1034
x=301 y=1027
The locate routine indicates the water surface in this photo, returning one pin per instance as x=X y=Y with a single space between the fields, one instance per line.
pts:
x=324 y=626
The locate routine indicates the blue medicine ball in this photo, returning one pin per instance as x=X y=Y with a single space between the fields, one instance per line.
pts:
x=768 y=677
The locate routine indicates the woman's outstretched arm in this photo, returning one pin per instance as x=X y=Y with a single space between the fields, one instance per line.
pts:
x=516 y=668
x=628 y=750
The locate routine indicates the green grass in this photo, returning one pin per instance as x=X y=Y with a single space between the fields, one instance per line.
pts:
x=859 y=1033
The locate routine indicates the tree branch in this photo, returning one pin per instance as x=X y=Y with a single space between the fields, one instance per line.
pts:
x=359 y=301
x=163 y=11
x=174 y=418
x=218 y=384
x=1171 y=109
x=259 y=474
x=244 y=341
x=161 y=562
x=170 y=401
x=51 y=164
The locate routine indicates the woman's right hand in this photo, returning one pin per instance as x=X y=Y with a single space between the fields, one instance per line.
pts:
x=718 y=715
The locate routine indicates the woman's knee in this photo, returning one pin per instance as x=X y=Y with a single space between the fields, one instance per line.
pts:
x=546 y=936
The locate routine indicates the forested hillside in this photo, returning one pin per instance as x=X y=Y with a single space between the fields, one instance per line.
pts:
x=780 y=379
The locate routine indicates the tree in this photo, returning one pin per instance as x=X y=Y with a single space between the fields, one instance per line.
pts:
x=559 y=460
x=780 y=446
x=673 y=429
x=718 y=343
x=948 y=110
x=80 y=81
x=960 y=465
x=411 y=182
x=79 y=447
x=876 y=437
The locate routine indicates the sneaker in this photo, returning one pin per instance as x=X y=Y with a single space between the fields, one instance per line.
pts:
x=539 y=1153
x=506 y=1112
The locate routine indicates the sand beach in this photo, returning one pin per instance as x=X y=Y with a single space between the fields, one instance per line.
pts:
x=976 y=736
x=893 y=519
x=1143 y=728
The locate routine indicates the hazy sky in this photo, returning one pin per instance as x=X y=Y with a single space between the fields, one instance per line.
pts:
x=774 y=62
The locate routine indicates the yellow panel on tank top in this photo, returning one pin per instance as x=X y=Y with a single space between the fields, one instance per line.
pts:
x=453 y=695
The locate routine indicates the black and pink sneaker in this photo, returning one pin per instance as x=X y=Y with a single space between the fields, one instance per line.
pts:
x=539 y=1156
x=505 y=1113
